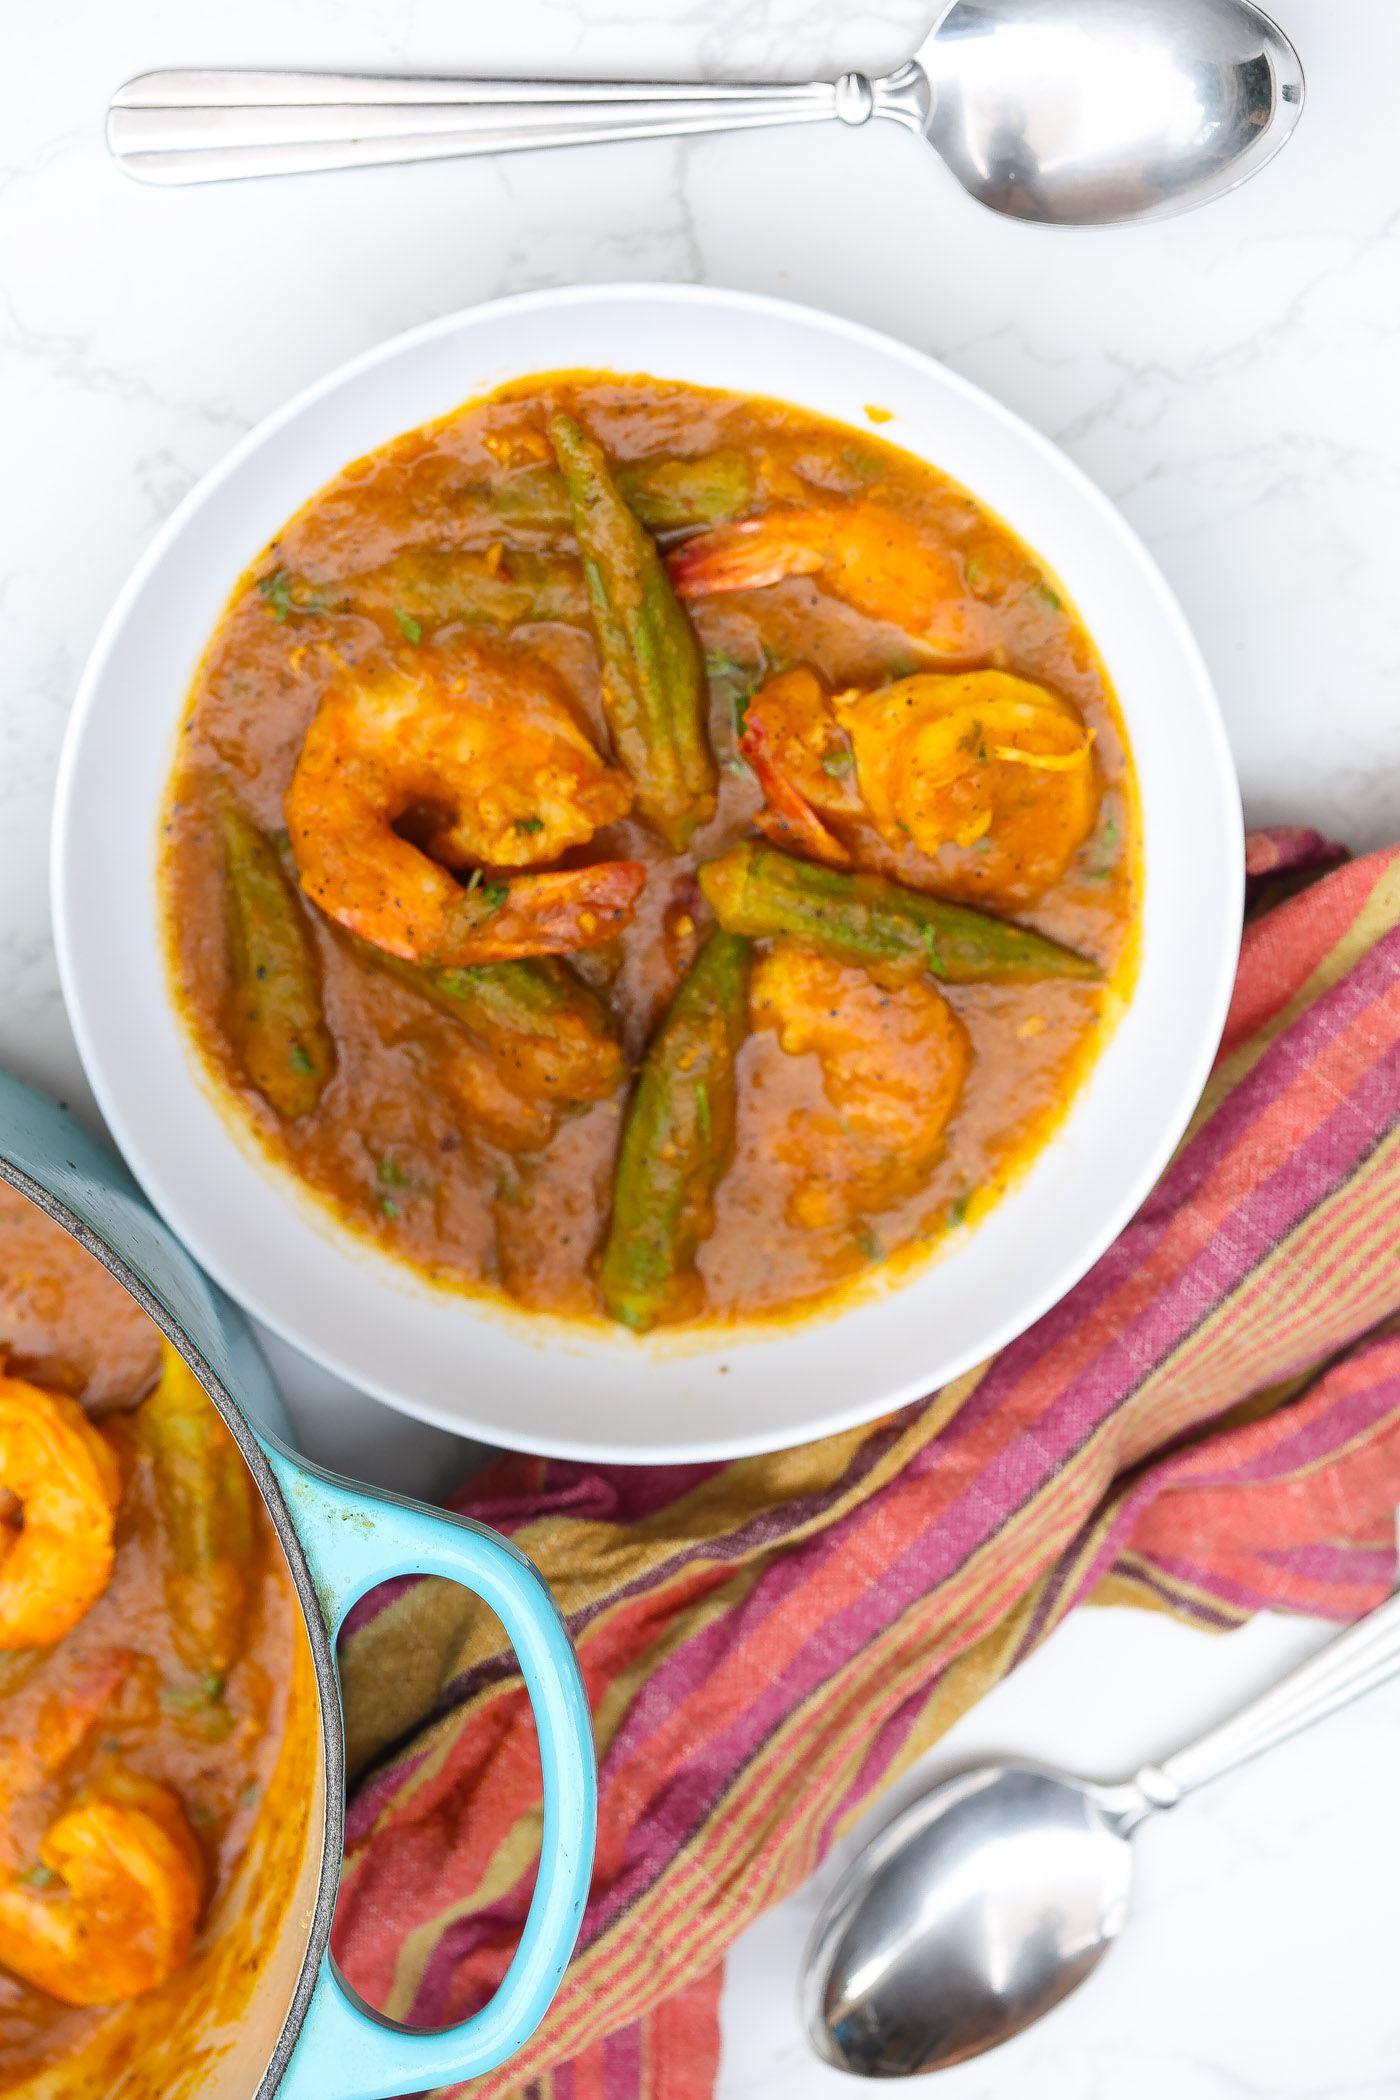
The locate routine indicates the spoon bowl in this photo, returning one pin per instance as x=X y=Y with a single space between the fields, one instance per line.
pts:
x=991 y=1899
x=970 y=1916
x=1100 y=112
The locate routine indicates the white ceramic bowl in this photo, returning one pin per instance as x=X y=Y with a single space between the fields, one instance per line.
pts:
x=443 y=1358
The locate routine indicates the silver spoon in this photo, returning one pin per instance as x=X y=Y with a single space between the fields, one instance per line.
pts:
x=987 y=1902
x=1075 y=112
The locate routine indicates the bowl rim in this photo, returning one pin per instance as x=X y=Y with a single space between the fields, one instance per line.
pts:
x=87 y=1024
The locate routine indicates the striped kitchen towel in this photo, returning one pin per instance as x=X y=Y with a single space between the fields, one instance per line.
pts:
x=1208 y=1424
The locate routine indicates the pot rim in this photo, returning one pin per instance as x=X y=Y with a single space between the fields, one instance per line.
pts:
x=323 y=1660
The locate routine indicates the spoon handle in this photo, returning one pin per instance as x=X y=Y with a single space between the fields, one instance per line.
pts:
x=174 y=128
x=1355 y=1663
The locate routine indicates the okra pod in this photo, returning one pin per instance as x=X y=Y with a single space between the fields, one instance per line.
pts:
x=205 y=1498
x=275 y=1018
x=654 y=692
x=669 y=494
x=550 y=1037
x=893 y=932
x=535 y=497
x=666 y=495
x=676 y=1143
x=427 y=587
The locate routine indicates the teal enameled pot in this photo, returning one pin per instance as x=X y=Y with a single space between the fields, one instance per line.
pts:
x=276 y=2016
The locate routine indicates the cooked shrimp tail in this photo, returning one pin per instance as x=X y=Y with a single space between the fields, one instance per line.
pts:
x=677 y=1142
x=132 y=1882
x=751 y=555
x=654 y=692
x=275 y=1018
x=788 y=818
x=803 y=761
x=506 y=917
x=862 y=552
x=206 y=1505
x=64 y=1475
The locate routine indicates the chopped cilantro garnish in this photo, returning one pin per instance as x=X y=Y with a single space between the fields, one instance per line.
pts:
x=389 y=1207
x=529 y=825
x=957 y=1211
x=734 y=684
x=298 y=1059
x=494 y=895
x=702 y=1110
x=277 y=589
x=867 y=1242
x=1105 y=848
x=186 y=1698
x=1047 y=597
x=837 y=762
x=409 y=627
x=719 y=664
x=392 y=1176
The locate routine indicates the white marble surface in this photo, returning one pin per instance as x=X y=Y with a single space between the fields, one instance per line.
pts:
x=1228 y=378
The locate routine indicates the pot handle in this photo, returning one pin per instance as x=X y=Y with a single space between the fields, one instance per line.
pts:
x=354 y=1539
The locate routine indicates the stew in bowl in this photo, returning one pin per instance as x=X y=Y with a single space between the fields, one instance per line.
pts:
x=645 y=873
x=650 y=855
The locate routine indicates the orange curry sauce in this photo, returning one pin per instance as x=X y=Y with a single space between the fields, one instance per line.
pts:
x=397 y=1159
x=68 y=1327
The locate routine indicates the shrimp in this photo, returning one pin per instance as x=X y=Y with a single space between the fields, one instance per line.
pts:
x=802 y=760
x=64 y=1475
x=861 y=552
x=132 y=1873
x=997 y=769
x=133 y=1885
x=478 y=756
x=893 y=1065
x=990 y=775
